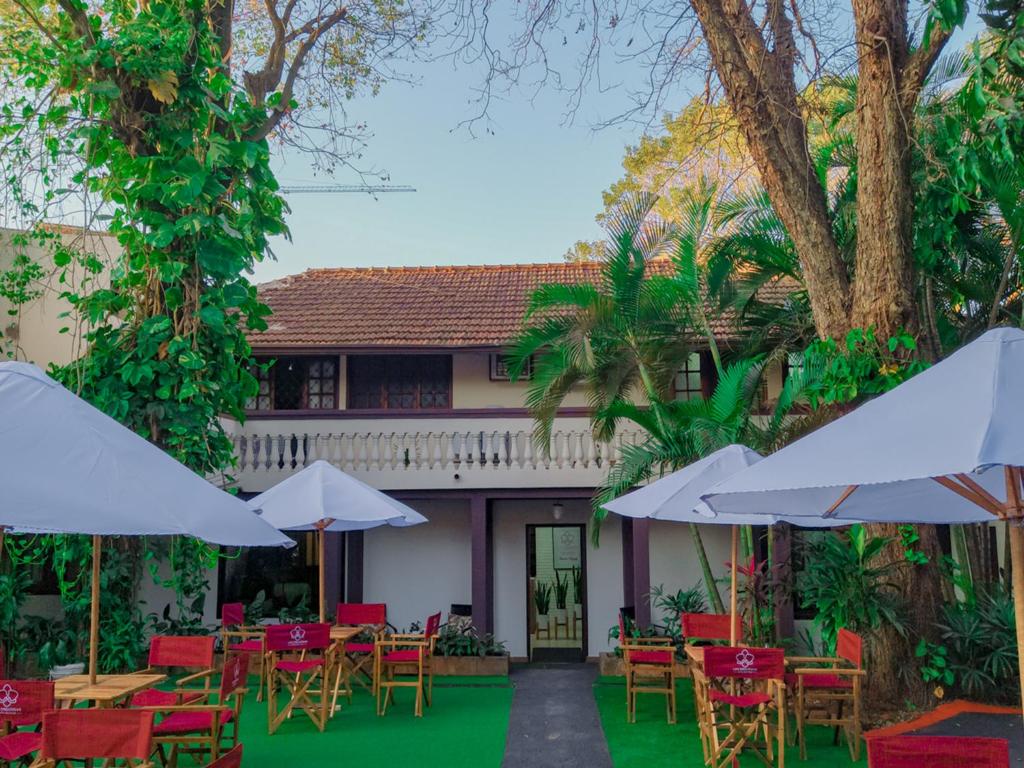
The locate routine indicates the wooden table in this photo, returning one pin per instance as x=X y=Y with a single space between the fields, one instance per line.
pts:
x=695 y=654
x=340 y=636
x=107 y=691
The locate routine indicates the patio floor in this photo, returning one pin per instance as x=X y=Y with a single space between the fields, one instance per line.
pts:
x=651 y=741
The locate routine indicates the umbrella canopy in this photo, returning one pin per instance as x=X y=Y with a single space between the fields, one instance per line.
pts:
x=69 y=468
x=947 y=446
x=677 y=497
x=962 y=420
x=322 y=497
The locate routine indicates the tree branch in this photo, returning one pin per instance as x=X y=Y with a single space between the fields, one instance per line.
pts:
x=919 y=64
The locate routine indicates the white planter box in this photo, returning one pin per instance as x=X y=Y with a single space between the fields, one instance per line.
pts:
x=66 y=670
x=542 y=621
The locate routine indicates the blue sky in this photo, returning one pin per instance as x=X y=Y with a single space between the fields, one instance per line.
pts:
x=525 y=193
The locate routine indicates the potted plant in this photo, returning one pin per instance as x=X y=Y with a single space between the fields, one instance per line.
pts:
x=577 y=593
x=542 y=602
x=561 y=596
x=61 y=654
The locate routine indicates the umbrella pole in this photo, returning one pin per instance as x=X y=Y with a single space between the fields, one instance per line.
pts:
x=732 y=596
x=1015 y=534
x=323 y=575
x=94 y=616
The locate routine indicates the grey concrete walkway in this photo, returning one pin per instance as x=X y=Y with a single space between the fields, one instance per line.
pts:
x=554 y=722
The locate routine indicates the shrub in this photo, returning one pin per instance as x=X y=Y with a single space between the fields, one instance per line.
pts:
x=981 y=644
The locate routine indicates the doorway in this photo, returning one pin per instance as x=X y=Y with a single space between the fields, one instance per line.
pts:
x=556 y=593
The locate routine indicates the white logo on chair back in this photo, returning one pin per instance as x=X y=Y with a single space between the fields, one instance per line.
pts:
x=298 y=636
x=8 y=699
x=745 y=659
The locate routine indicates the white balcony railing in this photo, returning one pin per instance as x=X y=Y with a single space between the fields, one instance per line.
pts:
x=474 y=457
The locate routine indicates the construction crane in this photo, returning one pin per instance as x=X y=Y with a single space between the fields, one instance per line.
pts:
x=370 y=189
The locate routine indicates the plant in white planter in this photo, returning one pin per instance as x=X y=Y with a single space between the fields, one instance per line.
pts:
x=577 y=592
x=542 y=602
x=61 y=654
x=561 y=596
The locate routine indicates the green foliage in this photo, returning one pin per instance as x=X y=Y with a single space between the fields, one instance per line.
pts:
x=542 y=598
x=300 y=612
x=577 y=583
x=934 y=665
x=561 y=591
x=981 y=643
x=847 y=588
x=467 y=642
x=908 y=538
x=14 y=584
x=672 y=605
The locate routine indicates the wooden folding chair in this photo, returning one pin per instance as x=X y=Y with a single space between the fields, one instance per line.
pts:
x=22 y=705
x=708 y=628
x=232 y=759
x=205 y=728
x=410 y=650
x=238 y=637
x=360 y=656
x=299 y=659
x=743 y=704
x=117 y=736
x=830 y=693
x=937 y=752
x=650 y=668
x=167 y=652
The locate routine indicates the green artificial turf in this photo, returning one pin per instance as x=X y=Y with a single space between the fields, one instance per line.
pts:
x=466 y=726
x=651 y=741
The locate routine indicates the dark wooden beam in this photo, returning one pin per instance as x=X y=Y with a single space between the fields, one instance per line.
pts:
x=354 y=571
x=482 y=562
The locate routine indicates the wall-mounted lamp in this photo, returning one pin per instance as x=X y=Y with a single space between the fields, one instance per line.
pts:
x=557 y=509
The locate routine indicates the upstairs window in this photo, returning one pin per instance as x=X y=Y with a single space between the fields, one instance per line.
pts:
x=296 y=383
x=688 y=383
x=400 y=382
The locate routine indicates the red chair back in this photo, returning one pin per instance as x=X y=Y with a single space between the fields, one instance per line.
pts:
x=80 y=734
x=744 y=663
x=183 y=651
x=232 y=614
x=353 y=614
x=23 y=702
x=849 y=647
x=433 y=623
x=232 y=759
x=234 y=675
x=709 y=626
x=937 y=752
x=298 y=637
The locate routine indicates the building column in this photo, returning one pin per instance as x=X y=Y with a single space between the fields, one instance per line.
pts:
x=482 y=563
x=334 y=567
x=782 y=554
x=636 y=568
x=354 y=571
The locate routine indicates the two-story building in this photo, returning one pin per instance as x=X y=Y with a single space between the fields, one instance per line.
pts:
x=396 y=375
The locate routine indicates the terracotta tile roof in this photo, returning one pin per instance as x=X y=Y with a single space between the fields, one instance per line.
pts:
x=387 y=307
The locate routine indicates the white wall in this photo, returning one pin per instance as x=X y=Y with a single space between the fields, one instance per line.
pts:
x=420 y=570
x=674 y=562
x=604 y=571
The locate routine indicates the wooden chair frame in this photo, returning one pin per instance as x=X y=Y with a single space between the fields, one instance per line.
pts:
x=292 y=668
x=234 y=633
x=359 y=666
x=729 y=728
x=646 y=672
x=837 y=705
x=160 y=662
x=206 y=741
x=422 y=644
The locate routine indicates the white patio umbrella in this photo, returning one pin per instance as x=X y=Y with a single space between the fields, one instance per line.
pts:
x=677 y=498
x=947 y=446
x=322 y=498
x=66 y=467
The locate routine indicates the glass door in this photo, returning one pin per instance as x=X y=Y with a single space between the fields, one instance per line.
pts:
x=556 y=593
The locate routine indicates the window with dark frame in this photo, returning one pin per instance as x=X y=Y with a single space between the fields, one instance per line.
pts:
x=400 y=382
x=296 y=383
x=499 y=370
x=688 y=383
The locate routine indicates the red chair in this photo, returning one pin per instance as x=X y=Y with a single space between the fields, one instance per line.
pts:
x=650 y=668
x=236 y=637
x=22 y=703
x=360 y=658
x=299 y=656
x=826 y=690
x=937 y=752
x=186 y=652
x=120 y=735
x=404 y=651
x=202 y=728
x=741 y=698
x=232 y=759
x=708 y=627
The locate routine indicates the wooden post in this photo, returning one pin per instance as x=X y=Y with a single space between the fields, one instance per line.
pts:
x=1016 y=536
x=94 y=617
x=732 y=596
